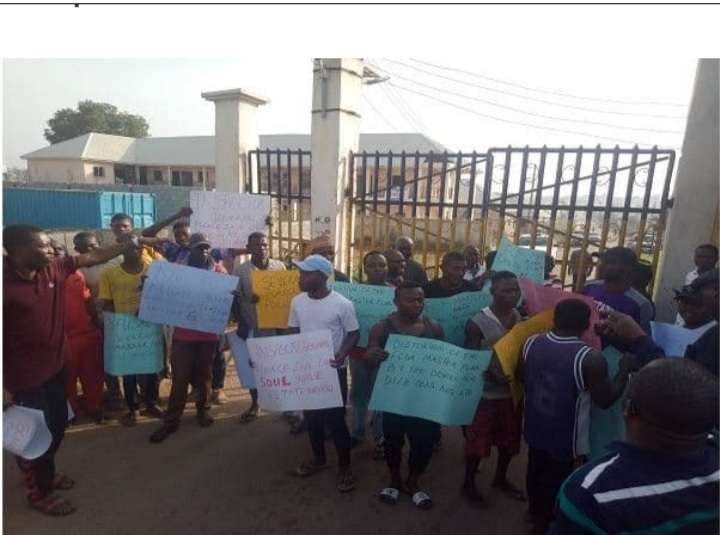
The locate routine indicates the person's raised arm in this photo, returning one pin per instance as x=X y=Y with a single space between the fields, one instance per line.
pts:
x=152 y=230
x=103 y=254
x=603 y=390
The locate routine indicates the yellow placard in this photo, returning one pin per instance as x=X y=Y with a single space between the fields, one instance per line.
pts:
x=275 y=290
x=509 y=347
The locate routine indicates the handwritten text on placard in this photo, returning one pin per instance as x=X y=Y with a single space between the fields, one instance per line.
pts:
x=189 y=297
x=430 y=379
x=228 y=218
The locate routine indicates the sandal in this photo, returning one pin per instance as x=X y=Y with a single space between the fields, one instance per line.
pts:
x=62 y=482
x=345 y=481
x=307 y=469
x=422 y=500
x=249 y=415
x=162 y=433
x=53 y=505
x=389 y=495
x=129 y=419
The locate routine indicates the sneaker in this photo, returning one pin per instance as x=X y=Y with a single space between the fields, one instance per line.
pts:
x=218 y=397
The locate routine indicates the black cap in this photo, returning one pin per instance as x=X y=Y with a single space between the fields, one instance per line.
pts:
x=691 y=291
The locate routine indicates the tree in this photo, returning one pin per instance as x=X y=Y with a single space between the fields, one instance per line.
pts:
x=15 y=174
x=92 y=116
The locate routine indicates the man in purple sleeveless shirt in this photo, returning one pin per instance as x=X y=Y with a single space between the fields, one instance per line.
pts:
x=562 y=377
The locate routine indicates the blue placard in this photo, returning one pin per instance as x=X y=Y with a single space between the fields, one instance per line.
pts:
x=132 y=346
x=607 y=425
x=527 y=263
x=430 y=379
x=372 y=304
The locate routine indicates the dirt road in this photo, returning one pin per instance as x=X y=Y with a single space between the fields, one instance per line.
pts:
x=233 y=479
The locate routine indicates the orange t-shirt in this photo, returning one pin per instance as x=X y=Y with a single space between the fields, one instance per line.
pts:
x=77 y=294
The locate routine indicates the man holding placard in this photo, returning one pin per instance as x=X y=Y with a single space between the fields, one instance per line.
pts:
x=192 y=355
x=421 y=433
x=120 y=293
x=320 y=308
x=34 y=346
x=245 y=300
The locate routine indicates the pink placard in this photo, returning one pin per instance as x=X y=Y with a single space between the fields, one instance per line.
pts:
x=538 y=298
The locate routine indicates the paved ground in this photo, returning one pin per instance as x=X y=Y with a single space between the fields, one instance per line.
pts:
x=233 y=479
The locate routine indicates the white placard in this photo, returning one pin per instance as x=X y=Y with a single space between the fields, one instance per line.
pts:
x=293 y=372
x=228 y=218
x=189 y=297
x=25 y=432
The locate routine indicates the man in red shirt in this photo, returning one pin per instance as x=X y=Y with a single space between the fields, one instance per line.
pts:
x=84 y=340
x=34 y=346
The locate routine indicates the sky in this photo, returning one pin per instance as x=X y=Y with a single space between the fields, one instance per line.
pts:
x=487 y=100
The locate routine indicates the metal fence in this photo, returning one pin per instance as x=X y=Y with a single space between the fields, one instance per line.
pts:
x=553 y=199
x=285 y=176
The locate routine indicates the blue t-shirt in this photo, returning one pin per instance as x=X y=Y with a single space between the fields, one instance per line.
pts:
x=632 y=491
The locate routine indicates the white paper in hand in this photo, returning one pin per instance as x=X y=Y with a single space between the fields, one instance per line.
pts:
x=25 y=432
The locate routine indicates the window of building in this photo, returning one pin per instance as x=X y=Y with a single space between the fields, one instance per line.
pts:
x=396 y=183
x=176 y=178
x=98 y=171
x=186 y=178
x=157 y=176
x=200 y=177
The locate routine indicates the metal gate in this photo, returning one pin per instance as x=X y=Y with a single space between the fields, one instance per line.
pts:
x=554 y=199
x=285 y=176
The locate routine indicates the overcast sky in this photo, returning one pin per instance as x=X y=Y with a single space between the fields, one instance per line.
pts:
x=473 y=116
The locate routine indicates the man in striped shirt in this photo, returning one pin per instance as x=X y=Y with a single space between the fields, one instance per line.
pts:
x=562 y=376
x=664 y=479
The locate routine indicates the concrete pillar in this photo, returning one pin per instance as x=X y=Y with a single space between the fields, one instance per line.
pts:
x=695 y=204
x=335 y=132
x=235 y=135
x=169 y=176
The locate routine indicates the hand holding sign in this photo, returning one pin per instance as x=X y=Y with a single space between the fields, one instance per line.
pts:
x=293 y=372
x=132 y=346
x=430 y=379
x=25 y=432
x=188 y=297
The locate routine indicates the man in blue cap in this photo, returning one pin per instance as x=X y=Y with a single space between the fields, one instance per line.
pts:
x=320 y=308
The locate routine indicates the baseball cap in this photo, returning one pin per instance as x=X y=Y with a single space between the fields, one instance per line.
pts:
x=692 y=290
x=198 y=239
x=315 y=262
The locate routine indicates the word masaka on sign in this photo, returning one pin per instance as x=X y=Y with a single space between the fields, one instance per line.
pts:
x=294 y=373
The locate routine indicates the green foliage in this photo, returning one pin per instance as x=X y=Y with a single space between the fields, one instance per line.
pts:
x=92 y=116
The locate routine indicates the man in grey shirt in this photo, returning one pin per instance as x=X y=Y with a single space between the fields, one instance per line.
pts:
x=245 y=301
